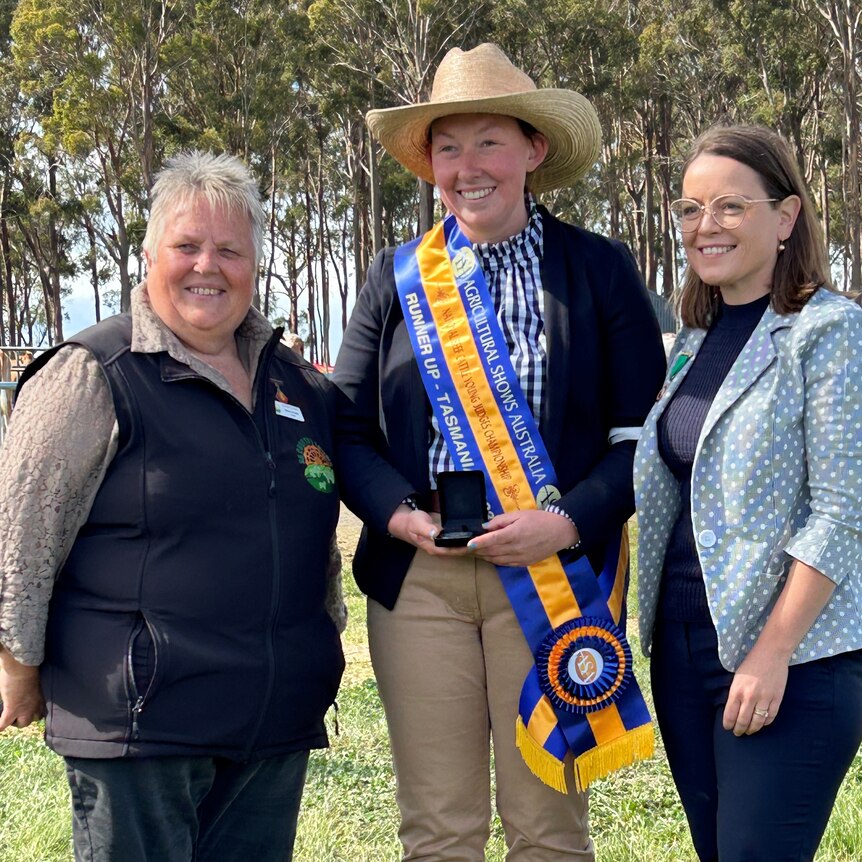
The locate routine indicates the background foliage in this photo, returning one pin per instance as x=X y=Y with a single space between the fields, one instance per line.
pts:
x=94 y=94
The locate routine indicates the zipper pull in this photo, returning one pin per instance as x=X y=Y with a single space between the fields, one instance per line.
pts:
x=136 y=710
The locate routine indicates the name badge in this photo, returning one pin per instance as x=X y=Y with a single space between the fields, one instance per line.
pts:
x=289 y=411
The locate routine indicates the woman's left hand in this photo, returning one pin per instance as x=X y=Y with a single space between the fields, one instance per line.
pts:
x=756 y=692
x=21 y=701
x=524 y=538
x=758 y=685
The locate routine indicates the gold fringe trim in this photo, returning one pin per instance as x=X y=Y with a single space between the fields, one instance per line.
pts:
x=637 y=744
x=540 y=762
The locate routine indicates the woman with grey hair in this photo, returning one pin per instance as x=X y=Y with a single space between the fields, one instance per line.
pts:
x=162 y=567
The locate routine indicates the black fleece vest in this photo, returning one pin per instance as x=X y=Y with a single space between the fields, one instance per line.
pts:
x=189 y=617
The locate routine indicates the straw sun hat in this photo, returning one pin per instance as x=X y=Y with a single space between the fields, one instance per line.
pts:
x=484 y=81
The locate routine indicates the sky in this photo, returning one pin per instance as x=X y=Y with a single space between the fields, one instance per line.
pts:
x=78 y=307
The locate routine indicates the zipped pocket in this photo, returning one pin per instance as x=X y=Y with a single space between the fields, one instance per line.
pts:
x=142 y=664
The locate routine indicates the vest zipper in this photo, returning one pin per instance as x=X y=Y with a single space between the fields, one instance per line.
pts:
x=270 y=463
x=139 y=699
x=265 y=438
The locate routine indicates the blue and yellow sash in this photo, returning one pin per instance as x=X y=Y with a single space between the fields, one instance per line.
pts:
x=581 y=695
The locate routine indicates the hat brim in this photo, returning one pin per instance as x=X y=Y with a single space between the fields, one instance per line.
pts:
x=565 y=118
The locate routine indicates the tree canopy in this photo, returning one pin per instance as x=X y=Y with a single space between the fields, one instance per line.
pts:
x=95 y=94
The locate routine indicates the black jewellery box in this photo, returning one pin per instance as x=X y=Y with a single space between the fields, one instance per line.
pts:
x=463 y=509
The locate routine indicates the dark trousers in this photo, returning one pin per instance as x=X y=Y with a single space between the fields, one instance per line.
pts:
x=765 y=797
x=185 y=809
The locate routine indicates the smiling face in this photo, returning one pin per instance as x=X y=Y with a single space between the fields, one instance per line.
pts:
x=480 y=164
x=201 y=281
x=741 y=260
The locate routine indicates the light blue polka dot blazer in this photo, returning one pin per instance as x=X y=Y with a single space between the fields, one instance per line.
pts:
x=777 y=475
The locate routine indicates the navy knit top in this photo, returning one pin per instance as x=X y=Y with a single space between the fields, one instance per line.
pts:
x=683 y=595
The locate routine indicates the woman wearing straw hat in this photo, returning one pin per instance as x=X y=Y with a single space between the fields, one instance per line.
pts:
x=506 y=342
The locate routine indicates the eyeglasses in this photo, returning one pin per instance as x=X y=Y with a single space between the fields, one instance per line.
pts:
x=727 y=210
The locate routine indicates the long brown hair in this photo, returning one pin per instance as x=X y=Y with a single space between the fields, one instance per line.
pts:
x=802 y=267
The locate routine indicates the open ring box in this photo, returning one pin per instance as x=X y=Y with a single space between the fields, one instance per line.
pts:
x=463 y=509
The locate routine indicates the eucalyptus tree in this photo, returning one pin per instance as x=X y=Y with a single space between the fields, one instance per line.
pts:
x=38 y=213
x=586 y=47
x=44 y=225
x=94 y=72
x=94 y=94
x=675 y=88
x=395 y=46
x=236 y=94
x=843 y=20
x=9 y=128
x=87 y=209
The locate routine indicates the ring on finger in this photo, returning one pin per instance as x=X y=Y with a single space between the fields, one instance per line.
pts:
x=763 y=713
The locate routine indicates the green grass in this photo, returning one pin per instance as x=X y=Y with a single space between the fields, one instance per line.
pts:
x=34 y=800
x=349 y=813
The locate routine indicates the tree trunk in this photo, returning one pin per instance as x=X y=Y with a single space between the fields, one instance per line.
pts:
x=323 y=228
x=663 y=148
x=846 y=18
x=94 y=267
x=426 y=207
x=360 y=259
x=649 y=200
x=125 y=280
x=343 y=280
x=824 y=203
x=5 y=249
x=272 y=210
x=309 y=271
x=293 y=283
x=54 y=244
x=376 y=205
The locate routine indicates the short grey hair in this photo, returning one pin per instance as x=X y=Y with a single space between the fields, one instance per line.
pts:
x=222 y=180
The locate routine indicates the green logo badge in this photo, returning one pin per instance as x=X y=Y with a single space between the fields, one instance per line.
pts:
x=318 y=466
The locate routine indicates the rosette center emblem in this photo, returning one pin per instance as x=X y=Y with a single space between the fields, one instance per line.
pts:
x=584 y=665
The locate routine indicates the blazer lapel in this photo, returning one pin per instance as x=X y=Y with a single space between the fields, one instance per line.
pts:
x=416 y=405
x=419 y=408
x=757 y=355
x=557 y=286
x=678 y=369
x=650 y=469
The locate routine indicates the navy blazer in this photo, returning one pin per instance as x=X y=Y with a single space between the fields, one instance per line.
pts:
x=605 y=364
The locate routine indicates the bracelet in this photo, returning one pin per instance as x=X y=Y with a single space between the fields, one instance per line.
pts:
x=556 y=510
x=410 y=501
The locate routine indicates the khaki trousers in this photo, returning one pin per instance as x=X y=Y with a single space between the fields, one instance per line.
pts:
x=450 y=660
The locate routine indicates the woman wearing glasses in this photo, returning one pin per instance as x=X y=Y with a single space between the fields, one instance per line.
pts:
x=748 y=478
